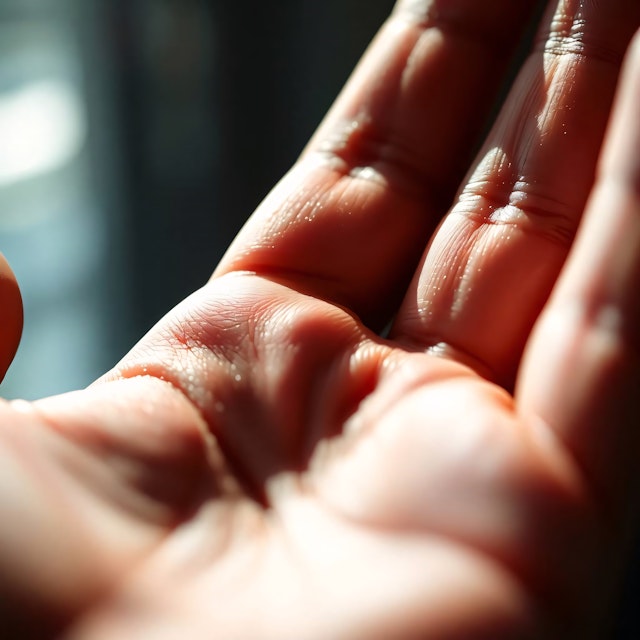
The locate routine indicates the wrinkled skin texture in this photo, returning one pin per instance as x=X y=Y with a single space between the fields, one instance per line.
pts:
x=265 y=465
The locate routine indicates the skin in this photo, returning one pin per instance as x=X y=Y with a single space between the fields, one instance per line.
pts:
x=265 y=465
x=11 y=317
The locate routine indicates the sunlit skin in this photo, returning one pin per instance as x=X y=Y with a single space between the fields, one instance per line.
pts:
x=265 y=465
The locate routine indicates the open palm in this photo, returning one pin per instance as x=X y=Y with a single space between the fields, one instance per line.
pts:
x=265 y=465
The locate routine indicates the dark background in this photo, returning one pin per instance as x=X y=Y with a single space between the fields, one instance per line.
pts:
x=186 y=112
x=218 y=98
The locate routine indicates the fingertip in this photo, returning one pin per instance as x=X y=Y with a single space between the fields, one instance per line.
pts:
x=11 y=316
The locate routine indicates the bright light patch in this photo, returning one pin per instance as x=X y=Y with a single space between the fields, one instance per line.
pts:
x=42 y=128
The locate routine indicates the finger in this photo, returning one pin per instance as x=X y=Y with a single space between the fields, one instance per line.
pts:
x=350 y=221
x=496 y=256
x=581 y=373
x=11 y=317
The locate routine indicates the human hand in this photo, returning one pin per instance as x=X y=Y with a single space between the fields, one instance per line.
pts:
x=265 y=465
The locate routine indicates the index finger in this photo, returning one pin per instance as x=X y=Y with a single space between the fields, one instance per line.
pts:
x=351 y=219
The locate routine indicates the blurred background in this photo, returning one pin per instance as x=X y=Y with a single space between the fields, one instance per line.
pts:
x=136 y=136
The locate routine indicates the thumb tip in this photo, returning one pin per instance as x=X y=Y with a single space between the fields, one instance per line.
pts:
x=11 y=316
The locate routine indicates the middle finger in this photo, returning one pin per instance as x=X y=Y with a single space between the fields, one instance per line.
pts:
x=494 y=259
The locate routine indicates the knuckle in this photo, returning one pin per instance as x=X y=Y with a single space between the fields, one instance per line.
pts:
x=521 y=206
